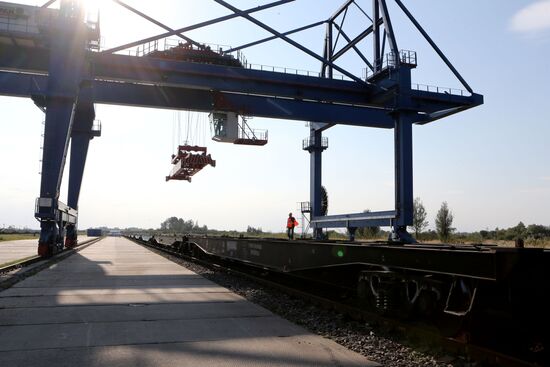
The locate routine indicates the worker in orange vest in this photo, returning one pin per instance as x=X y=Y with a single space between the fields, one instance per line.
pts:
x=290 y=224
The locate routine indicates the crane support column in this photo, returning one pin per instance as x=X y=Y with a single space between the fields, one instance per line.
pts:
x=315 y=174
x=83 y=131
x=316 y=148
x=403 y=143
x=67 y=54
x=403 y=179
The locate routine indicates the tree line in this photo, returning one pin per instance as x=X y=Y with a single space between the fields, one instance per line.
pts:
x=444 y=231
x=179 y=225
x=443 y=223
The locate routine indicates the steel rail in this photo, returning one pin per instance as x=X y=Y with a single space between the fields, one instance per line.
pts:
x=21 y=263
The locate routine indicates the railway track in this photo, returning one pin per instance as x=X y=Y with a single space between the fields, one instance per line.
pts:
x=32 y=265
x=330 y=297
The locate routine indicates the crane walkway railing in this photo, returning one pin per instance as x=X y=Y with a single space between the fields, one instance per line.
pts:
x=169 y=43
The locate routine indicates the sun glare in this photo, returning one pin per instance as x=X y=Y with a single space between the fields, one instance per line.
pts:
x=94 y=3
x=93 y=7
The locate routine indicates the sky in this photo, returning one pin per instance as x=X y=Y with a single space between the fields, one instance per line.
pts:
x=487 y=163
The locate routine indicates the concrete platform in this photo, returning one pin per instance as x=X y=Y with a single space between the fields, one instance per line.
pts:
x=17 y=250
x=118 y=304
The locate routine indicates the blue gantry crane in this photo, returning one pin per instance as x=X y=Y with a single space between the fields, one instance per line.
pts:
x=54 y=57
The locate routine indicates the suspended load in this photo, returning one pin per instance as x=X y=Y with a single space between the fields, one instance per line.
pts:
x=188 y=161
x=226 y=129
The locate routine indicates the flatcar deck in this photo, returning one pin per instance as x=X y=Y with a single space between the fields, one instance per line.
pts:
x=116 y=303
x=490 y=263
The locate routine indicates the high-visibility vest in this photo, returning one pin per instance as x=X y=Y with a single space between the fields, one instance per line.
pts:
x=291 y=222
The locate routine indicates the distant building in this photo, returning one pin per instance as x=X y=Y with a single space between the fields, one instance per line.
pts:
x=115 y=233
x=94 y=232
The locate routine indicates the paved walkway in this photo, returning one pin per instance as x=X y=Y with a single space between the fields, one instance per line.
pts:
x=17 y=250
x=118 y=304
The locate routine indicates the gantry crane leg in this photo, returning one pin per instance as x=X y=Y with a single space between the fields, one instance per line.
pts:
x=59 y=117
x=316 y=169
x=403 y=179
x=66 y=67
x=404 y=116
x=82 y=133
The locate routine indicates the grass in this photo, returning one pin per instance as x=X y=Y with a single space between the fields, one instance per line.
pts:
x=16 y=237
x=529 y=243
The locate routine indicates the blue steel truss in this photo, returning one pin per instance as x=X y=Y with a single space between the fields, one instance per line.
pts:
x=65 y=77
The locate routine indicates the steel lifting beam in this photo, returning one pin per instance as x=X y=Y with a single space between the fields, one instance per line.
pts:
x=356 y=220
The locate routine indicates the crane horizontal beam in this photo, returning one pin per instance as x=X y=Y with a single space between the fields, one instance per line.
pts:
x=200 y=76
x=234 y=79
x=143 y=95
x=247 y=91
x=432 y=102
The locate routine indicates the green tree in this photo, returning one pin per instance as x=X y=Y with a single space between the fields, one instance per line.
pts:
x=179 y=225
x=419 y=218
x=368 y=232
x=254 y=231
x=443 y=222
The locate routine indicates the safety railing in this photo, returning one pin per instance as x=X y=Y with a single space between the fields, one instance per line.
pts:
x=305 y=207
x=406 y=57
x=169 y=43
x=253 y=134
x=285 y=70
x=437 y=89
x=310 y=143
x=246 y=133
